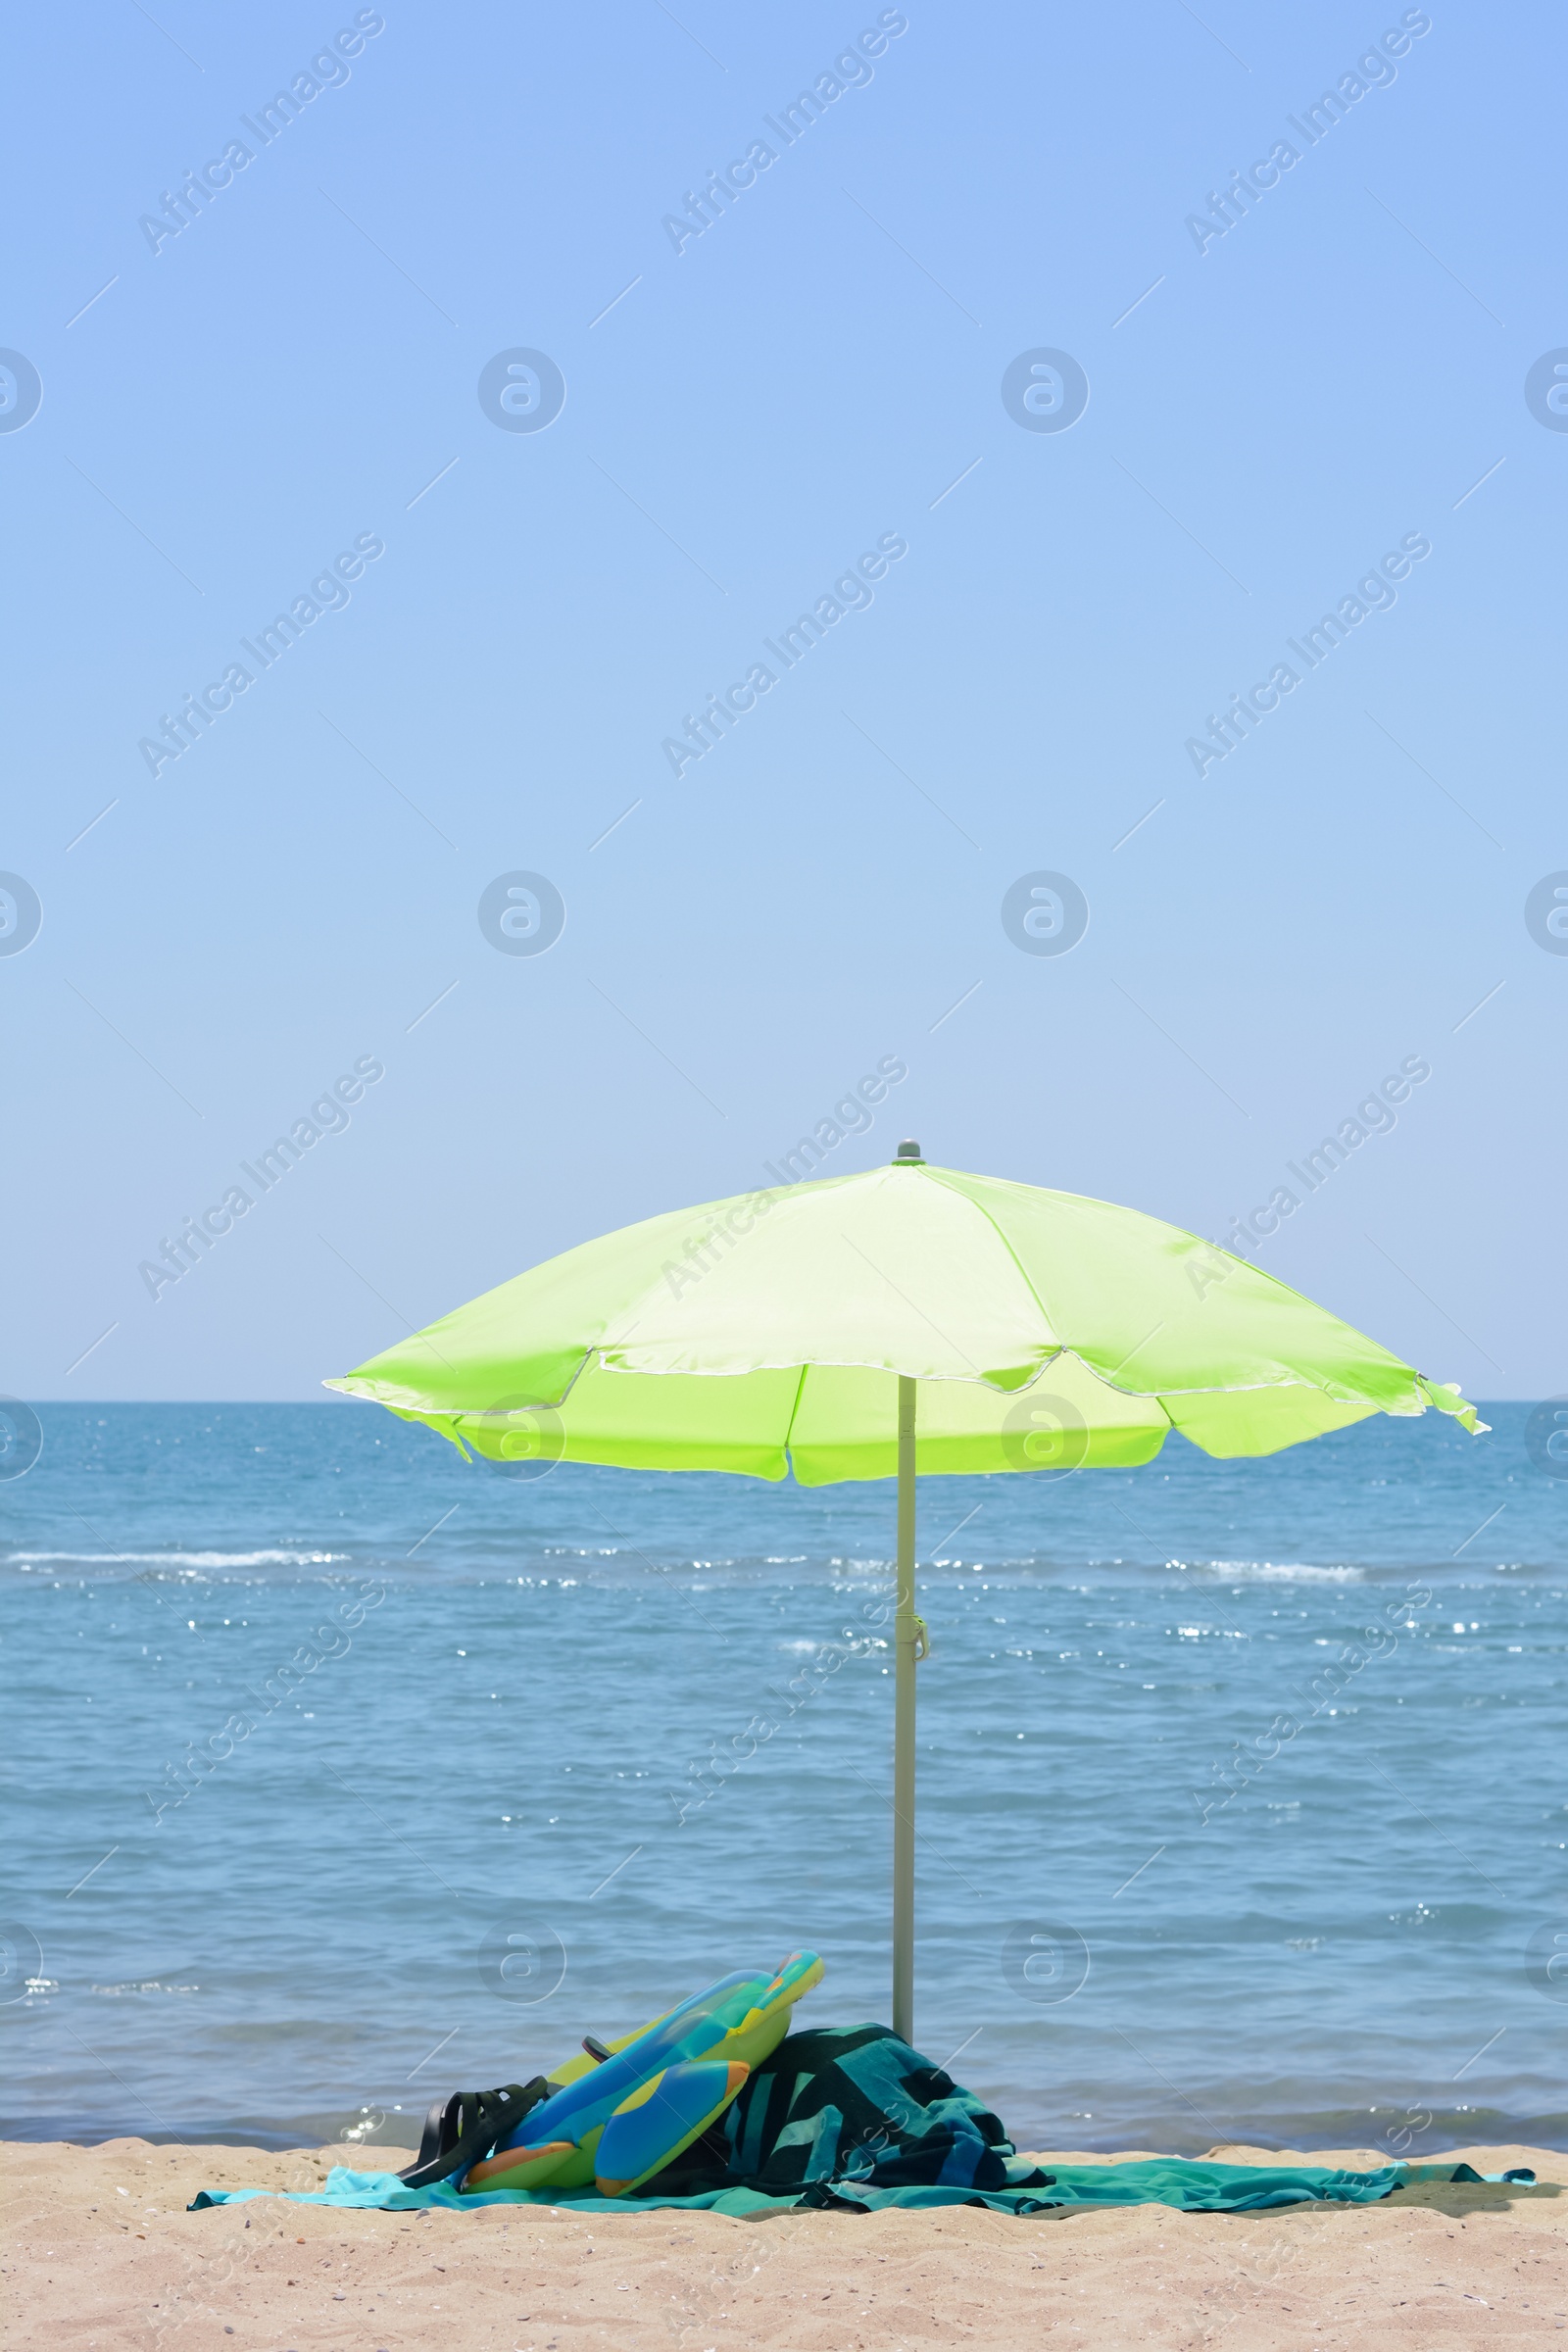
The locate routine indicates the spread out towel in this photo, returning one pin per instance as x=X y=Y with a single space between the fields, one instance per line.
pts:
x=850 y=2120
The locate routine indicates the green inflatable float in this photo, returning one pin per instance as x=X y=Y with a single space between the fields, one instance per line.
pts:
x=622 y=2111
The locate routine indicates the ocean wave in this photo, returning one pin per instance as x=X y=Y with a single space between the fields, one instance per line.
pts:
x=147 y=1985
x=176 y=1560
x=1273 y=1572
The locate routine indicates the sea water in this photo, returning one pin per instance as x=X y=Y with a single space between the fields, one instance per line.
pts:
x=344 y=1774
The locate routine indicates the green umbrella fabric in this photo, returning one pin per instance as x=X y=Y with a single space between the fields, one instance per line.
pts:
x=768 y=1332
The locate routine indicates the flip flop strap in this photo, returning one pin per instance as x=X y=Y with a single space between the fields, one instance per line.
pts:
x=466 y=2126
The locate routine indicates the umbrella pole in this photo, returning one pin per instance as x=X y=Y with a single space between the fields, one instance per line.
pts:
x=907 y=1644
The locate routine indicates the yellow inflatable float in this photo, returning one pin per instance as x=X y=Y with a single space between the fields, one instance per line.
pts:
x=620 y=2112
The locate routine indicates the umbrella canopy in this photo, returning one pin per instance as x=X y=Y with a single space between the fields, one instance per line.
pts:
x=770 y=1331
x=908 y=1319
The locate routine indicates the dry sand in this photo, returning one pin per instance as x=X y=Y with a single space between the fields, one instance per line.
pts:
x=100 y=2251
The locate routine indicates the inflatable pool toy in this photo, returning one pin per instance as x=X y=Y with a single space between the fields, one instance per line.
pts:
x=622 y=2110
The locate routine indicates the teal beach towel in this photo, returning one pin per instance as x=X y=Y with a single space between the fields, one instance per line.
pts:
x=853 y=2120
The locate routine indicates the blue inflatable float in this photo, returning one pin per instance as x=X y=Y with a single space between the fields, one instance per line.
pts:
x=623 y=2110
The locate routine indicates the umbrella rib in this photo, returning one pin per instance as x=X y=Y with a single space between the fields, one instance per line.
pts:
x=1063 y=1346
x=1027 y=1279
x=1131 y=1353
x=789 y=1426
x=1024 y=1276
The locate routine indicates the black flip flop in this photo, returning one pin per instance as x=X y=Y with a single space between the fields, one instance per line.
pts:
x=470 y=2126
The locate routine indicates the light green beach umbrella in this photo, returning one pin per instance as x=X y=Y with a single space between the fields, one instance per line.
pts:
x=912 y=1319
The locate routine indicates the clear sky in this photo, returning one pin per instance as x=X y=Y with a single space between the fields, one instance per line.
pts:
x=1286 y=385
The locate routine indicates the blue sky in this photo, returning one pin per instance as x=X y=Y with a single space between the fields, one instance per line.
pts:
x=294 y=377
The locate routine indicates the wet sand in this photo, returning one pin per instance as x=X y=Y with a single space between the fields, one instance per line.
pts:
x=99 y=2252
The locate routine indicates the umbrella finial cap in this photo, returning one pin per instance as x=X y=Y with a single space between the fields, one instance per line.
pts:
x=909 y=1150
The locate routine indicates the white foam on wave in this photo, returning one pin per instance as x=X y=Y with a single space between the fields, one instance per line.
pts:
x=1278 y=1572
x=177 y=1560
x=148 y=1985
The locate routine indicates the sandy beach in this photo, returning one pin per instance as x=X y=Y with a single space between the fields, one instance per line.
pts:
x=101 y=2252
